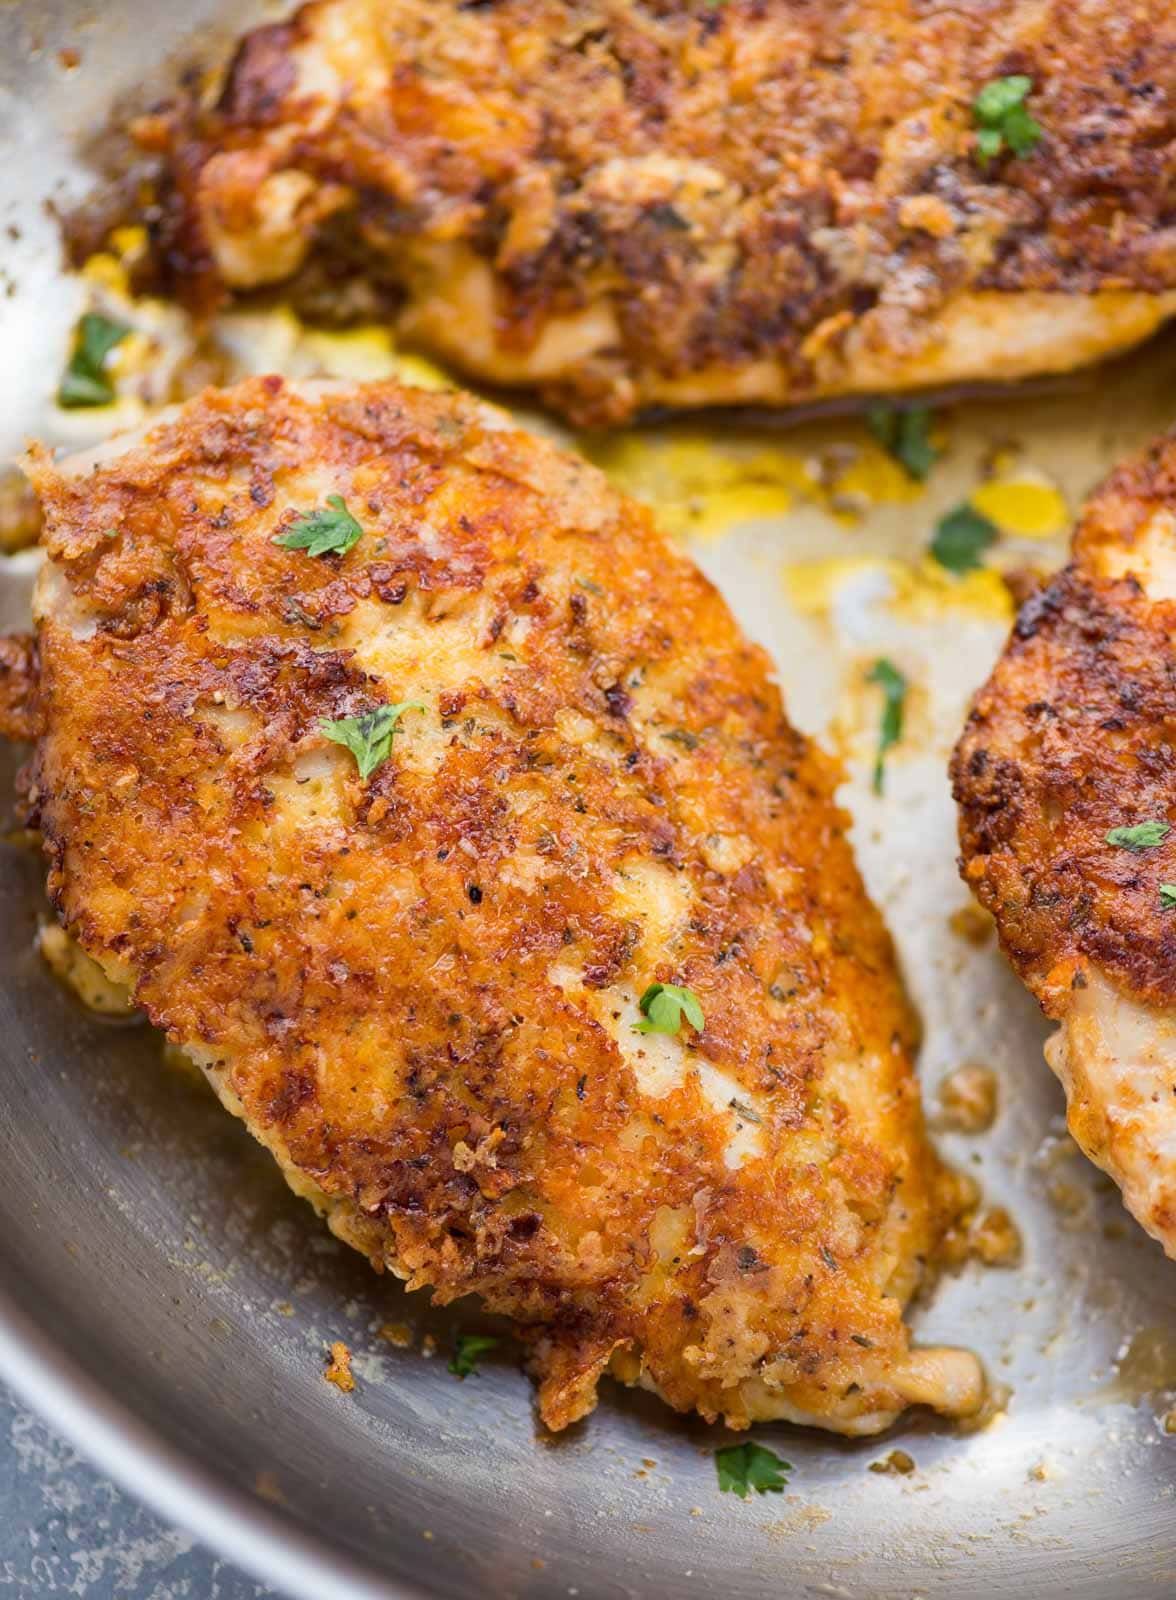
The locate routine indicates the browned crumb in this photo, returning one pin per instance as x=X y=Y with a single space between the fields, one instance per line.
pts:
x=267 y=1486
x=1073 y=1200
x=995 y=1239
x=339 y=1367
x=972 y=923
x=20 y=716
x=967 y=1099
x=897 y=1462
x=989 y=1236
x=398 y=1334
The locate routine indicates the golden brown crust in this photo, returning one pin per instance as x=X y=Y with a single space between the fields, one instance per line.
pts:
x=673 y=196
x=1070 y=738
x=19 y=710
x=419 y=991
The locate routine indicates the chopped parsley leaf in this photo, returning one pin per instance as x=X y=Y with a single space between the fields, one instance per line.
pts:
x=905 y=435
x=1002 y=120
x=1021 y=131
x=470 y=1346
x=744 y=1467
x=1143 y=836
x=663 y=1006
x=369 y=736
x=989 y=144
x=1168 y=897
x=323 y=533
x=1000 y=96
x=85 y=381
x=961 y=538
x=894 y=687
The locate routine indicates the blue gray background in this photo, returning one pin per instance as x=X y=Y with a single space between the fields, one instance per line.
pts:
x=67 y=1530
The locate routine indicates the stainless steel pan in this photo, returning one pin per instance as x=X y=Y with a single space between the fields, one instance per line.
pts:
x=166 y=1302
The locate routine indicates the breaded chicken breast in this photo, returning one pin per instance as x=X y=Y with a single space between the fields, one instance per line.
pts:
x=1066 y=781
x=436 y=805
x=630 y=204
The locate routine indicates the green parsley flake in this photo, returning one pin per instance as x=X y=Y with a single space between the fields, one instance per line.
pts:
x=1002 y=119
x=470 y=1346
x=85 y=381
x=961 y=538
x=369 y=736
x=744 y=1467
x=323 y=533
x=894 y=687
x=906 y=436
x=663 y=1005
x=989 y=144
x=1143 y=836
x=1168 y=897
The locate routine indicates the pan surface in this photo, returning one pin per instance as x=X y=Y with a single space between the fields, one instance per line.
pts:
x=167 y=1302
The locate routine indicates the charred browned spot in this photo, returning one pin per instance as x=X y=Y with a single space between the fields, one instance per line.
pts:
x=618 y=699
x=297 y=1090
x=260 y=77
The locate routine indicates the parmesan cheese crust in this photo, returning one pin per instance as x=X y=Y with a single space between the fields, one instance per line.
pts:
x=420 y=991
x=1071 y=741
x=628 y=204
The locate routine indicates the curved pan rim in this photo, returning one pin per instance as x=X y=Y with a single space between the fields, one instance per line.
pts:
x=270 y=1547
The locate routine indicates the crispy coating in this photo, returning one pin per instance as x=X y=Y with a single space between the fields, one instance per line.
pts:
x=1070 y=739
x=628 y=203
x=1067 y=741
x=19 y=712
x=420 y=991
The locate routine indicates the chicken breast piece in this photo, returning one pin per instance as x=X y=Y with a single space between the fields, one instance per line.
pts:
x=415 y=967
x=1066 y=781
x=628 y=204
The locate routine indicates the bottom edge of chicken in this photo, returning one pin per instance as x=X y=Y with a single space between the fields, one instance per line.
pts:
x=425 y=795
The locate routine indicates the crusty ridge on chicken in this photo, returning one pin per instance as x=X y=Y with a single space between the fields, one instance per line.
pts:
x=420 y=987
x=627 y=203
x=1072 y=740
